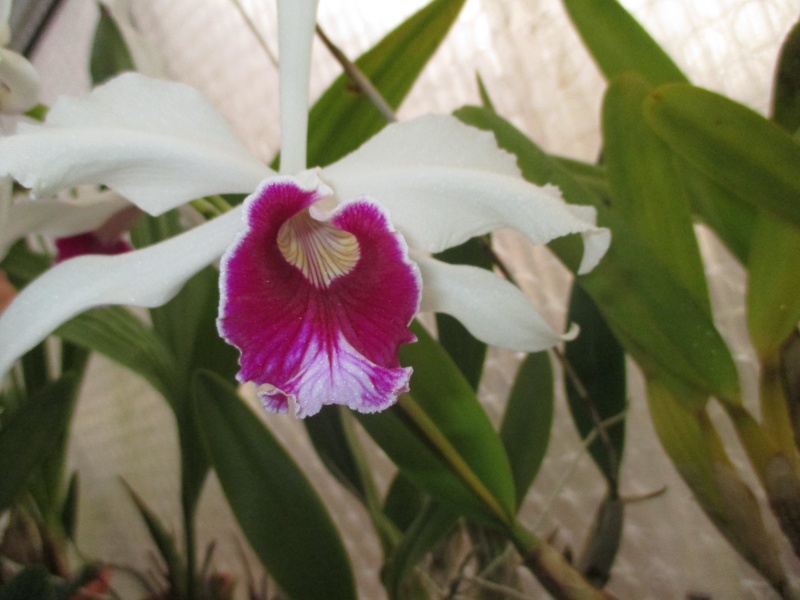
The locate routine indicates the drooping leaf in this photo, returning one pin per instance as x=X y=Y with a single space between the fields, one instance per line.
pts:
x=110 y=54
x=442 y=439
x=649 y=311
x=786 y=87
x=343 y=119
x=597 y=361
x=618 y=43
x=731 y=144
x=280 y=513
x=528 y=419
x=31 y=434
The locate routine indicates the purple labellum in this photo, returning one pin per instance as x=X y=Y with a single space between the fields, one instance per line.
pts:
x=88 y=243
x=318 y=306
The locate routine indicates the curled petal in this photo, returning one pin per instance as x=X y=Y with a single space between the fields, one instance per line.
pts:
x=491 y=308
x=318 y=304
x=157 y=143
x=147 y=277
x=444 y=182
x=19 y=83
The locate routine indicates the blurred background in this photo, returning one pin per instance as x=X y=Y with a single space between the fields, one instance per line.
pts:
x=539 y=77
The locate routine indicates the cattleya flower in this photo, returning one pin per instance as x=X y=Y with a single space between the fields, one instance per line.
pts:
x=319 y=284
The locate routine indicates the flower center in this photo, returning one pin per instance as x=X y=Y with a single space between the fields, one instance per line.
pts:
x=321 y=251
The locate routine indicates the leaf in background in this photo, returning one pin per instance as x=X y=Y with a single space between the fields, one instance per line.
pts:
x=786 y=87
x=602 y=545
x=645 y=188
x=773 y=286
x=117 y=334
x=69 y=508
x=731 y=144
x=22 y=264
x=31 y=583
x=110 y=54
x=528 y=419
x=175 y=569
x=467 y=352
x=442 y=439
x=280 y=513
x=31 y=434
x=618 y=43
x=597 y=360
x=429 y=528
x=648 y=310
x=343 y=119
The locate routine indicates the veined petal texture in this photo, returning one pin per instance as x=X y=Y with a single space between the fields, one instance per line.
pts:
x=317 y=303
x=444 y=182
x=491 y=308
x=158 y=143
x=146 y=277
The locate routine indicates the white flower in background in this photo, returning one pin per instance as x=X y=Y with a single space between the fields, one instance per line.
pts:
x=318 y=285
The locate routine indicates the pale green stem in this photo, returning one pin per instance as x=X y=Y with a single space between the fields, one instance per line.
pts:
x=296 y=21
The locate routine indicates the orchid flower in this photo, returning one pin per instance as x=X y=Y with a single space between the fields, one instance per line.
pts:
x=323 y=268
x=19 y=81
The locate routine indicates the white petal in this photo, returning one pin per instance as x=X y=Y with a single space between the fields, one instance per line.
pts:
x=157 y=143
x=58 y=218
x=19 y=83
x=296 y=21
x=147 y=277
x=444 y=182
x=491 y=308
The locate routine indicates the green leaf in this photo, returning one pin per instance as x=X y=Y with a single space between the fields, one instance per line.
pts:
x=69 y=508
x=117 y=334
x=442 y=440
x=110 y=54
x=31 y=583
x=342 y=119
x=618 y=43
x=645 y=187
x=466 y=351
x=786 y=88
x=404 y=501
x=430 y=527
x=31 y=434
x=528 y=419
x=175 y=569
x=647 y=308
x=280 y=513
x=602 y=545
x=773 y=285
x=596 y=359
x=731 y=144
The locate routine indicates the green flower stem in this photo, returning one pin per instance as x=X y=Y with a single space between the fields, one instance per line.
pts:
x=219 y=203
x=207 y=210
x=552 y=570
x=454 y=460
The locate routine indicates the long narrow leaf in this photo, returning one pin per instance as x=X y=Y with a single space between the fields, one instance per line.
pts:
x=278 y=510
x=786 y=88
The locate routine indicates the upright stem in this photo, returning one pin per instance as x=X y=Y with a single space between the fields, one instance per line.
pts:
x=296 y=22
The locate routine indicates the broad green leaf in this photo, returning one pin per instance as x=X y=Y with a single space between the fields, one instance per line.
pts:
x=528 y=420
x=591 y=177
x=731 y=144
x=403 y=502
x=645 y=187
x=31 y=583
x=280 y=513
x=692 y=443
x=786 y=87
x=596 y=359
x=430 y=527
x=441 y=438
x=773 y=285
x=110 y=54
x=647 y=308
x=31 y=434
x=117 y=334
x=466 y=351
x=343 y=119
x=618 y=43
